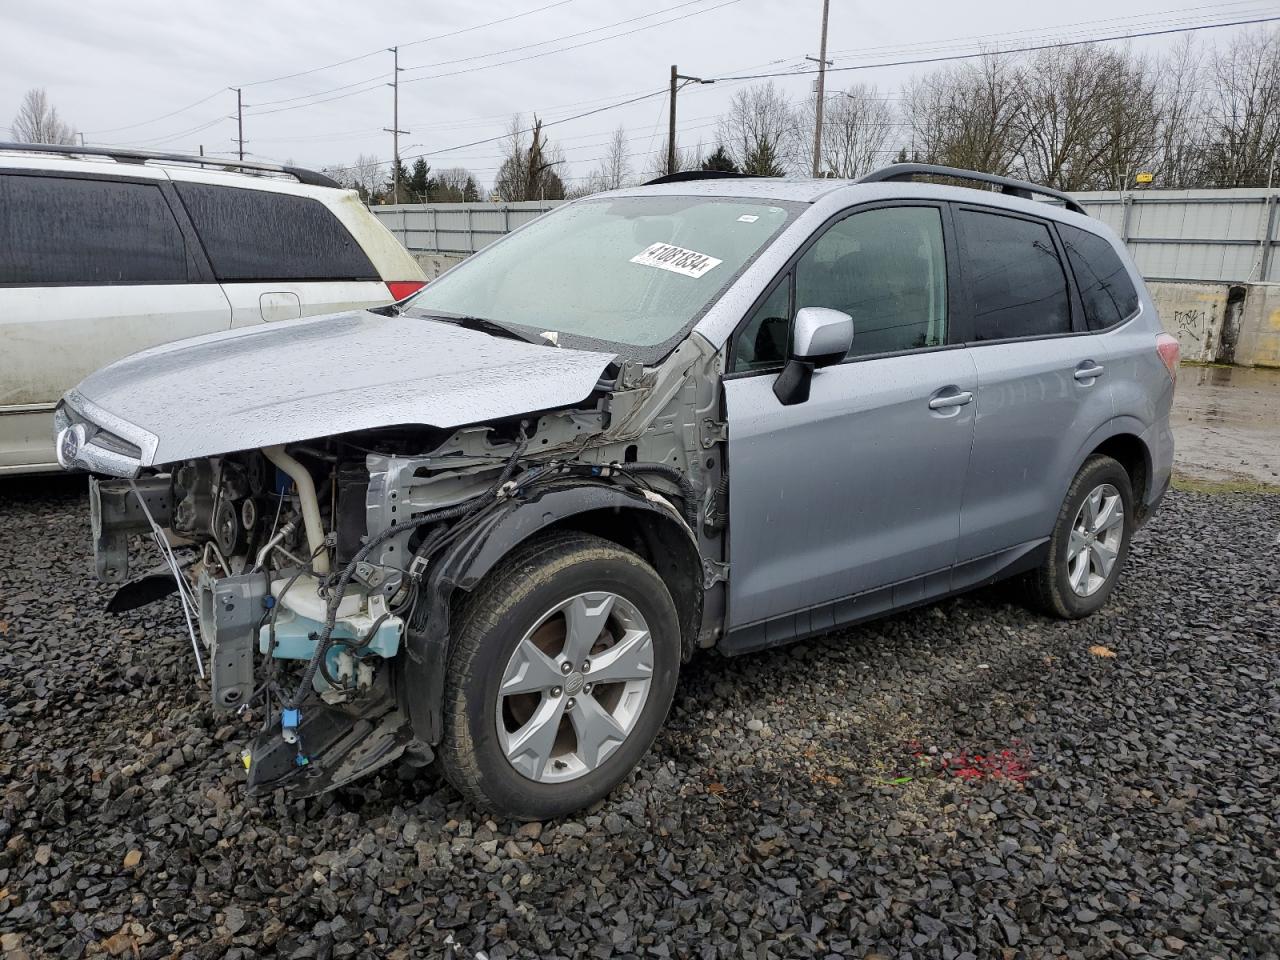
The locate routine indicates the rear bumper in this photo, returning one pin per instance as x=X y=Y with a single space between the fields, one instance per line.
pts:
x=1158 y=439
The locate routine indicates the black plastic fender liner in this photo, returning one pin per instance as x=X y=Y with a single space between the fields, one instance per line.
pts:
x=494 y=534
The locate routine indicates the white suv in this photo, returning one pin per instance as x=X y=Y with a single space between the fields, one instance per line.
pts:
x=104 y=253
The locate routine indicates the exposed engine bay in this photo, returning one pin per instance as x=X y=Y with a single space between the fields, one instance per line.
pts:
x=318 y=576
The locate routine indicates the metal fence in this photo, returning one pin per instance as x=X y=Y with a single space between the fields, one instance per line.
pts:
x=458 y=228
x=1212 y=235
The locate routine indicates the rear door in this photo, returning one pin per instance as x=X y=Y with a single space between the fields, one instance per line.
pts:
x=1043 y=387
x=859 y=487
x=280 y=256
x=92 y=268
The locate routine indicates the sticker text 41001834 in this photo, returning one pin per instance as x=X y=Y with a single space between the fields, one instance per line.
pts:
x=666 y=256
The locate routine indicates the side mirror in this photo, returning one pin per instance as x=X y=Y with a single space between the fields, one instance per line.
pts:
x=819 y=337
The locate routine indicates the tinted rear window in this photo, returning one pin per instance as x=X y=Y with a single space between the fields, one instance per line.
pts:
x=1017 y=281
x=256 y=235
x=61 y=230
x=1108 y=293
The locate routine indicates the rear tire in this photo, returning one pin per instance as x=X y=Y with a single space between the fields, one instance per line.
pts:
x=1089 y=544
x=533 y=728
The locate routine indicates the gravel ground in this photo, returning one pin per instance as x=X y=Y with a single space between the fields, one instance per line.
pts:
x=964 y=781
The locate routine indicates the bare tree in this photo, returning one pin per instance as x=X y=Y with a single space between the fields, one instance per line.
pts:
x=613 y=172
x=37 y=122
x=1088 y=117
x=1181 y=107
x=454 y=185
x=616 y=168
x=687 y=158
x=528 y=171
x=759 y=131
x=856 y=126
x=968 y=116
x=366 y=176
x=1243 y=127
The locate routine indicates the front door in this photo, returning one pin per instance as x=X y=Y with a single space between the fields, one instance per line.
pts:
x=860 y=486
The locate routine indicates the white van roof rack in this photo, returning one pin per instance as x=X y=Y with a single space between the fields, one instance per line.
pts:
x=130 y=155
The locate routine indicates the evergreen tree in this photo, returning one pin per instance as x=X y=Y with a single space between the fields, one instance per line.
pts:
x=720 y=160
x=419 y=182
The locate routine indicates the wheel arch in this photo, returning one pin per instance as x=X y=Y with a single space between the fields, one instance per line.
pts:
x=640 y=521
x=1120 y=439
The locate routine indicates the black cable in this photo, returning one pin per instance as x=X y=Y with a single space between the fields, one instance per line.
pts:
x=687 y=492
x=435 y=516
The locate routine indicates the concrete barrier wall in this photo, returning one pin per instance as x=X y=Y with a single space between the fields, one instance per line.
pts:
x=1258 y=342
x=1194 y=313
x=1222 y=322
x=434 y=264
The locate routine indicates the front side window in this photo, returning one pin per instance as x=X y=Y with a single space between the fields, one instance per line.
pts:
x=630 y=271
x=65 y=230
x=260 y=235
x=1017 y=282
x=1106 y=291
x=886 y=269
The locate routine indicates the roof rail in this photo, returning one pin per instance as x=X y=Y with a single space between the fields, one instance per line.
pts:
x=1016 y=188
x=686 y=175
x=129 y=155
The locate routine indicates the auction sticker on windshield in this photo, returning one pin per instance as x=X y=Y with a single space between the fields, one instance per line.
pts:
x=665 y=256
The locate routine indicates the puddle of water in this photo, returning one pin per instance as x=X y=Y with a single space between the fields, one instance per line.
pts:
x=1226 y=423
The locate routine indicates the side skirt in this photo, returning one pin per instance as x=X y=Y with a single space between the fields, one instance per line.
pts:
x=881 y=601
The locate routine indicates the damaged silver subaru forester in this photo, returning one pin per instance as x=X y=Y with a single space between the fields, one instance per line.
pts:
x=490 y=524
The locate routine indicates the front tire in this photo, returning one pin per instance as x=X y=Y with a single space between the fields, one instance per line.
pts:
x=562 y=671
x=1089 y=544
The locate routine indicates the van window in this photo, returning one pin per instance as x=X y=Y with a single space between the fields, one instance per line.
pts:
x=59 y=231
x=886 y=269
x=259 y=235
x=1105 y=288
x=1017 y=282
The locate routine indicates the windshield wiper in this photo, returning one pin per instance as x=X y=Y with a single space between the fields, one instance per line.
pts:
x=492 y=327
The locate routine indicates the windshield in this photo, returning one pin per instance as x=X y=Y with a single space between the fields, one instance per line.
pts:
x=633 y=271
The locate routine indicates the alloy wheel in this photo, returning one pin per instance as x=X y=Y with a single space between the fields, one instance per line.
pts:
x=574 y=687
x=1096 y=537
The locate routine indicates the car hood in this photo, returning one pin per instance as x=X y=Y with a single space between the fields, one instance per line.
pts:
x=302 y=379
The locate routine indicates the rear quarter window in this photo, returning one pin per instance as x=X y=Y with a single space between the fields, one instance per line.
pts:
x=258 y=235
x=61 y=231
x=1106 y=290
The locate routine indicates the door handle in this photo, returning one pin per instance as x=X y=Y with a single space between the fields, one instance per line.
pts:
x=1091 y=372
x=950 y=400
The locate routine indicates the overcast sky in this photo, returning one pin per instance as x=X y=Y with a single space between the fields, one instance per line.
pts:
x=113 y=69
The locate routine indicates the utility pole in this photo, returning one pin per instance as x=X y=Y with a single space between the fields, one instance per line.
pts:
x=676 y=77
x=823 y=63
x=81 y=136
x=395 y=130
x=240 y=121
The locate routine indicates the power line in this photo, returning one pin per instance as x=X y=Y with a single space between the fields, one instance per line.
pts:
x=575 y=46
x=337 y=63
x=410 y=43
x=1161 y=16
x=1007 y=52
x=478 y=56
x=542 y=43
x=502 y=63
x=165 y=116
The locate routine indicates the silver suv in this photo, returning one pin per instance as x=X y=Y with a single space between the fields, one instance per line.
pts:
x=490 y=526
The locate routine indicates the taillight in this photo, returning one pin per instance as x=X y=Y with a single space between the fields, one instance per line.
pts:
x=1170 y=353
x=404 y=288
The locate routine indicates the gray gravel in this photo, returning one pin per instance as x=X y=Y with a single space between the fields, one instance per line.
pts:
x=964 y=781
